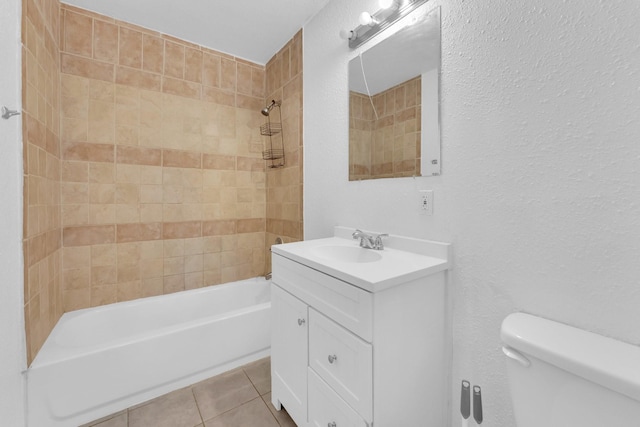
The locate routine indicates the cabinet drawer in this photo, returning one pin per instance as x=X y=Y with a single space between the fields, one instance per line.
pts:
x=343 y=360
x=346 y=304
x=326 y=408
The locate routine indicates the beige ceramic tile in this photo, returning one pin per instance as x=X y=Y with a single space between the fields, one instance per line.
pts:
x=89 y=235
x=130 y=52
x=173 y=284
x=102 y=295
x=193 y=280
x=101 y=173
x=151 y=250
x=101 y=90
x=193 y=65
x=253 y=413
x=224 y=392
x=75 y=257
x=177 y=409
x=78 y=34
x=102 y=193
x=211 y=70
x=151 y=268
x=102 y=214
x=105 y=41
x=76 y=299
x=174 y=59
x=151 y=287
x=151 y=212
x=259 y=373
x=126 y=214
x=102 y=255
x=150 y=175
x=128 y=252
x=174 y=266
x=128 y=291
x=153 y=54
x=138 y=78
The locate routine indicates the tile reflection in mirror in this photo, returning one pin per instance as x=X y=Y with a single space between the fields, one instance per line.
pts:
x=394 y=123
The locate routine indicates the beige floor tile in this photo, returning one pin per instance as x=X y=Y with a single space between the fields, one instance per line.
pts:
x=177 y=409
x=114 y=420
x=223 y=392
x=259 y=372
x=121 y=420
x=281 y=416
x=254 y=413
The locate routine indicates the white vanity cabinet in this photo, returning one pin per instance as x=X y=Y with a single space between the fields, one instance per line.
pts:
x=347 y=354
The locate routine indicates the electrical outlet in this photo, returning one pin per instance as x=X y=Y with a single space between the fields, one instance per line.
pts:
x=425 y=201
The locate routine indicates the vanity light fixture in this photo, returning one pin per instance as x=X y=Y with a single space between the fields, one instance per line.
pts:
x=390 y=12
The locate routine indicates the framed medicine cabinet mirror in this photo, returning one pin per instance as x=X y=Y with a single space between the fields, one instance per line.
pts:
x=394 y=98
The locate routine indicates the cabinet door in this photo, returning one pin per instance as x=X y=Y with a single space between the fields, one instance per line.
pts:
x=289 y=354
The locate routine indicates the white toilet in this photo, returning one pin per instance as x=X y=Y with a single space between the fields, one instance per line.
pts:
x=561 y=376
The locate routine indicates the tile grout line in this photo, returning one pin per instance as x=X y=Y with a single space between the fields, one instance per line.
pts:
x=197 y=406
x=261 y=397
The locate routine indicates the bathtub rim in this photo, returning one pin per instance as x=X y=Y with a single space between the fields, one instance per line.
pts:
x=51 y=354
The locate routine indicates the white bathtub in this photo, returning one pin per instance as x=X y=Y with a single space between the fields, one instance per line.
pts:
x=101 y=360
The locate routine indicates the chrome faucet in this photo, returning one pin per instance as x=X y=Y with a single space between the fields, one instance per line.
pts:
x=369 y=241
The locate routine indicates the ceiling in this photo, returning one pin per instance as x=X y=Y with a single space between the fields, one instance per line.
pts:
x=254 y=30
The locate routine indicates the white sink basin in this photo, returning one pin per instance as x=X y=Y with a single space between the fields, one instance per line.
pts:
x=403 y=259
x=346 y=253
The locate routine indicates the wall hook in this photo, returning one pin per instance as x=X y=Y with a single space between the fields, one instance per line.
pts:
x=7 y=113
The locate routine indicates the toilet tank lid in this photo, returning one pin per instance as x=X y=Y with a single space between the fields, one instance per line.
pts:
x=611 y=363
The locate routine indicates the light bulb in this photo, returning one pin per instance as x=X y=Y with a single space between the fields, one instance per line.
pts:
x=366 y=19
x=385 y=4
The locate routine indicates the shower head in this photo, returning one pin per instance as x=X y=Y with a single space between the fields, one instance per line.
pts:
x=266 y=110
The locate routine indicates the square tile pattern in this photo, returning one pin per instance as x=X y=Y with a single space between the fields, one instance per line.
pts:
x=237 y=398
x=143 y=169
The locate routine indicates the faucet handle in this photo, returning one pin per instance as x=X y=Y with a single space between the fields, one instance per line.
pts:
x=378 y=241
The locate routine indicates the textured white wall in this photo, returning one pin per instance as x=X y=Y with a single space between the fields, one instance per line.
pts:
x=540 y=192
x=12 y=347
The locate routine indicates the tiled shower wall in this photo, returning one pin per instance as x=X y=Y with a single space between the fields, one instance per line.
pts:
x=143 y=169
x=41 y=144
x=163 y=186
x=284 y=185
x=389 y=145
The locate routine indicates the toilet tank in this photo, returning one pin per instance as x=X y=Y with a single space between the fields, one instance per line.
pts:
x=561 y=376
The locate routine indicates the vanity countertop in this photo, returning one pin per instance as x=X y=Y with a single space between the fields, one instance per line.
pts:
x=402 y=260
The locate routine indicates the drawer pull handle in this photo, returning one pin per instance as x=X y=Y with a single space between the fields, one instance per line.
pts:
x=332 y=424
x=301 y=322
x=332 y=358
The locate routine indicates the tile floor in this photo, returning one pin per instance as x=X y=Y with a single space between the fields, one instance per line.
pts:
x=238 y=398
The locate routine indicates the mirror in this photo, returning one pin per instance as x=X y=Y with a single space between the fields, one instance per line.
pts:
x=394 y=118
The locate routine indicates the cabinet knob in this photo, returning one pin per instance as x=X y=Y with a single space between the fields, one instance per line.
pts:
x=332 y=358
x=301 y=322
x=332 y=424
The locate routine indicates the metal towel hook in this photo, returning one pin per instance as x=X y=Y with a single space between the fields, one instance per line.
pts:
x=7 y=113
